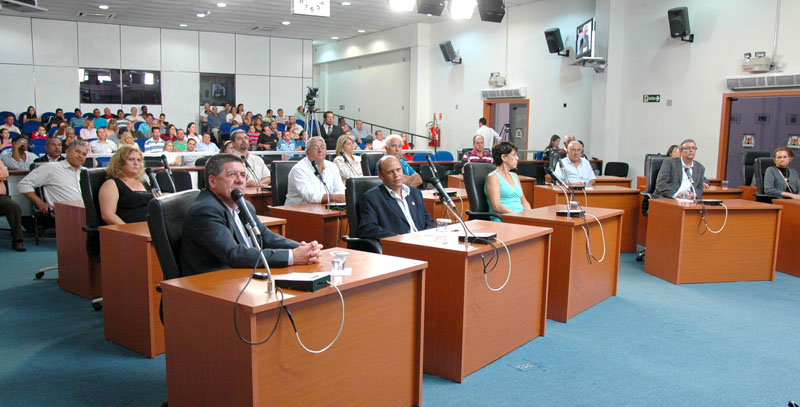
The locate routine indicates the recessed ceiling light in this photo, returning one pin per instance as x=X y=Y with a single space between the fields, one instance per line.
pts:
x=429 y=15
x=345 y=3
x=334 y=38
x=402 y=5
x=221 y=5
x=362 y=31
x=201 y=15
x=286 y=22
x=103 y=6
x=184 y=25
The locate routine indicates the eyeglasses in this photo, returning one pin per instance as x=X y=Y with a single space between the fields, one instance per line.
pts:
x=690 y=148
x=316 y=148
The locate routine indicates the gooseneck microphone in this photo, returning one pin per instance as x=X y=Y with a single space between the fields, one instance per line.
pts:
x=252 y=230
x=563 y=187
x=165 y=162
x=238 y=198
x=317 y=172
x=153 y=182
x=438 y=184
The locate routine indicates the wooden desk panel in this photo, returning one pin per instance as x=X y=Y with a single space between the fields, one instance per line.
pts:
x=308 y=222
x=678 y=254
x=788 y=259
x=527 y=184
x=612 y=197
x=467 y=326
x=438 y=210
x=575 y=285
x=76 y=272
x=376 y=361
x=713 y=192
x=261 y=200
x=610 y=180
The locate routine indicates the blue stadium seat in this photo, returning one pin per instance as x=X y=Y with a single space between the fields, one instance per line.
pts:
x=30 y=126
x=302 y=123
x=78 y=131
x=85 y=115
x=47 y=115
x=242 y=127
x=225 y=128
x=421 y=156
x=442 y=155
x=140 y=142
x=281 y=127
x=38 y=146
x=12 y=134
x=3 y=116
x=137 y=125
x=69 y=115
x=52 y=131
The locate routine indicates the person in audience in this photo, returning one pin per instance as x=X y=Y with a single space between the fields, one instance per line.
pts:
x=127 y=139
x=478 y=154
x=394 y=146
x=12 y=211
x=29 y=115
x=121 y=121
x=191 y=147
x=238 y=115
x=360 y=132
x=257 y=171
x=253 y=135
x=53 y=149
x=180 y=139
x=329 y=131
x=145 y=111
x=146 y=128
x=553 y=146
x=567 y=140
x=5 y=140
x=59 y=180
x=88 y=132
x=107 y=114
x=173 y=158
x=300 y=114
x=348 y=163
x=134 y=116
x=673 y=151
x=502 y=188
x=490 y=137
x=305 y=186
x=124 y=196
x=215 y=119
x=292 y=125
x=69 y=137
x=61 y=131
x=206 y=146
x=162 y=121
x=392 y=208
x=781 y=181
x=172 y=133
x=268 y=139
x=18 y=158
x=574 y=169
x=345 y=128
x=204 y=118
x=9 y=124
x=214 y=237
x=57 y=119
x=368 y=143
x=227 y=147
x=102 y=145
x=301 y=140
x=228 y=113
x=113 y=131
x=247 y=119
x=287 y=144
x=269 y=117
x=280 y=117
x=681 y=177
x=39 y=133
x=156 y=143
x=77 y=120
x=378 y=143
x=99 y=120
x=259 y=125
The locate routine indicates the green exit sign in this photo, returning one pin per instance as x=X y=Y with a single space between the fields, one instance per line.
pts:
x=651 y=98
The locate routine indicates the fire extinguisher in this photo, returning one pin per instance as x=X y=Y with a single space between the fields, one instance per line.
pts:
x=436 y=131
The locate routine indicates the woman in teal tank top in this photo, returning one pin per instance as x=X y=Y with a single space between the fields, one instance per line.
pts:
x=502 y=188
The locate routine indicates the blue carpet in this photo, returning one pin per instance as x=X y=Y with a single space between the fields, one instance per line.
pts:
x=655 y=344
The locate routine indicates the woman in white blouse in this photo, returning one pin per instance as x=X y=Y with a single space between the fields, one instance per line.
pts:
x=88 y=132
x=349 y=164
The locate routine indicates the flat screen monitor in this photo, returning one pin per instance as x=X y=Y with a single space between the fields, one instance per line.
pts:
x=584 y=39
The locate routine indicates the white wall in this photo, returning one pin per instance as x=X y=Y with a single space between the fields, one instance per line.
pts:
x=39 y=62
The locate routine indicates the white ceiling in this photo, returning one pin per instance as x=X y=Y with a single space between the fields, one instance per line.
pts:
x=241 y=16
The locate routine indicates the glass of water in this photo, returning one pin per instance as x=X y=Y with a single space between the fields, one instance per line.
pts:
x=337 y=260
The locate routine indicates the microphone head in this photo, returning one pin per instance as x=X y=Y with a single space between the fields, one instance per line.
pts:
x=163 y=158
x=148 y=171
x=236 y=194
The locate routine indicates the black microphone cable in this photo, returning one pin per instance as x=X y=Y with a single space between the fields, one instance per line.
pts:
x=236 y=307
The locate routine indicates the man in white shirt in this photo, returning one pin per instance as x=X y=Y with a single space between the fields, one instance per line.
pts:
x=305 y=186
x=574 y=169
x=490 y=137
x=206 y=146
x=60 y=180
x=103 y=145
x=154 y=144
x=257 y=171
x=9 y=124
x=134 y=116
x=378 y=143
x=204 y=117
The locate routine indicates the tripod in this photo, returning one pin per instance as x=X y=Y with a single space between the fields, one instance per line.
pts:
x=505 y=133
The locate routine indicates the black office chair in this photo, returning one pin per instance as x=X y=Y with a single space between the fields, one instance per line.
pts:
x=760 y=166
x=368 y=163
x=533 y=170
x=748 y=163
x=554 y=157
x=153 y=161
x=91 y=180
x=616 y=168
x=474 y=181
x=427 y=175
x=201 y=162
x=354 y=189
x=280 y=180
x=182 y=179
x=652 y=165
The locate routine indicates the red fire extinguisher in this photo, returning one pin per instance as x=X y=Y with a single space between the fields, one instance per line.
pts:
x=436 y=132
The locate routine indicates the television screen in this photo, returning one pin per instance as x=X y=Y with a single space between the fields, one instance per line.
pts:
x=584 y=39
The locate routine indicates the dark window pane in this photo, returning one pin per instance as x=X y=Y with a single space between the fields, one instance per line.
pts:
x=100 y=85
x=141 y=87
x=217 y=89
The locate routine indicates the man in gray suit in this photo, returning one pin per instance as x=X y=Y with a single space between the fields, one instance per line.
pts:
x=681 y=174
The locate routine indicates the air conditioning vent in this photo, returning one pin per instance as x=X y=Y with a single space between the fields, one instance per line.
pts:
x=505 y=93
x=768 y=81
x=264 y=29
x=21 y=5
x=92 y=14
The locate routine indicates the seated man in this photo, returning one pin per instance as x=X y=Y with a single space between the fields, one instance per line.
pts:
x=9 y=124
x=103 y=145
x=392 y=208
x=53 y=148
x=59 y=180
x=681 y=176
x=206 y=146
x=394 y=146
x=304 y=185
x=13 y=213
x=574 y=169
x=478 y=154
x=18 y=158
x=257 y=171
x=154 y=144
x=214 y=235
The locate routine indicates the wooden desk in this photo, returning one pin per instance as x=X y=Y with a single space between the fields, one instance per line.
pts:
x=131 y=272
x=261 y=200
x=713 y=192
x=76 y=272
x=788 y=260
x=438 y=210
x=575 y=285
x=307 y=222
x=612 y=197
x=743 y=251
x=377 y=360
x=527 y=184
x=467 y=326
x=607 y=180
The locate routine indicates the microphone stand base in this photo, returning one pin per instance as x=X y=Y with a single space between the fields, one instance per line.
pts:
x=569 y=212
x=480 y=237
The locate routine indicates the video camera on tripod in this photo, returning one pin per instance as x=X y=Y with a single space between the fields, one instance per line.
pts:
x=311 y=97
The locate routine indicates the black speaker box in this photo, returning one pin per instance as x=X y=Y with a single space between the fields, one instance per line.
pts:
x=678 y=22
x=554 y=42
x=432 y=7
x=491 y=10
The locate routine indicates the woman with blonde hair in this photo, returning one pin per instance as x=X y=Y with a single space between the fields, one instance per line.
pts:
x=124 y=196
x=88 y=132
x=349 y=164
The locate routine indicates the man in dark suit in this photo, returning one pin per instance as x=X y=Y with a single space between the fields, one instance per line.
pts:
x=392 y=208
x=329 y=131
x=53 y=148
x=681 y=175
x=214 y=234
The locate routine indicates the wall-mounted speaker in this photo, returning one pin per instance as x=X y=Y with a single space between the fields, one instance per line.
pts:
x=679 y=24
x=554 y=42
x=449 y=53
x=491 y=10
x=432 y=7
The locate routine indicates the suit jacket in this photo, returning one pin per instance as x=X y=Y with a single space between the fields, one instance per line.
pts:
x=330 y=139
x=380 y=216
x=774 y=184
x=671 y=174
x=211 y=240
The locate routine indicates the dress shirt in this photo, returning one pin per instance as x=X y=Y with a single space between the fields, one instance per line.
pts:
x=686 y=180
x=568 y=172
x=214 y=121
x=378 y=144
x=88 y=134
x=59 y=180
x=205 y=148
x=403 y=204
x=257 y=166
x=305 y=187
x=490 y=137
x=349 y=168
x=99 y=147
x=14 y=165
x=361 y=134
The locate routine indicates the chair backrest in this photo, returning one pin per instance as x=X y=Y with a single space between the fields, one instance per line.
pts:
x=38 y=146
x=554 y=157
x=302 y=123
x=67 y=115
x=760 y=166
x=355 y=187
x=91 y=180
x=201 y=162
x=616 y=168
x=652 y=165
x=421 y=156
x=748 y=160
x=31 y=126
x=51 y=131
x=443 y=155
x=140 y=142
x=153 y=161
x=137 y=125
x=165 y=217
x=182 y=180
x=474 y=181
x=88 y=115
x=368 y=162
x=225 y=128
x=47 y=115
x=280 y=180
x=281 y=127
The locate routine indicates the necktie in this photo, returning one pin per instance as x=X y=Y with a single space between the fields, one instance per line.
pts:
x=688 y=173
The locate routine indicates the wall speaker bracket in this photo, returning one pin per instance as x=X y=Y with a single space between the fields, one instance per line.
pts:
x=688 y=38
x=564 y=53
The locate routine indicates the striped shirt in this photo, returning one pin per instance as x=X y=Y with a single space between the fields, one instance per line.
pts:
x=59 y=180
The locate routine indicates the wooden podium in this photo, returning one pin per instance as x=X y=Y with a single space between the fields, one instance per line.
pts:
x=788 y=260
x=307 y=222
x=743 y=251
x=437 y=210
x=377 y=360
x=76 y=271
x=468 y=326
x=261 y=199
x=575 y=285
